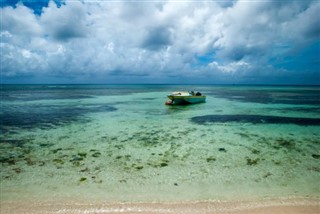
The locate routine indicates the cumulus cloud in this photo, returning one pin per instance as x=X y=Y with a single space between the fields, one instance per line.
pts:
x=157 y=38
x=19 y=21
x=211 y=42
x=63 y=23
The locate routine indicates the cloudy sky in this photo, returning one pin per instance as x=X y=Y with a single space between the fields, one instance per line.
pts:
x=209 y=42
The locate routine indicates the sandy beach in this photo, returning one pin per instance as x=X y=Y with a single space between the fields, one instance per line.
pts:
x=292 y=206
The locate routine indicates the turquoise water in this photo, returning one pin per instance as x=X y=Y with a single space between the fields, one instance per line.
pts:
x=121 y=143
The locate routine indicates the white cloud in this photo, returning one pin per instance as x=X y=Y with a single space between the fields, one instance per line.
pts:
x=306 y=24
x=5 y=34
x=231 y=67
x=65 y=22
x=153 y=39
x=19 y=21
x=26 y=53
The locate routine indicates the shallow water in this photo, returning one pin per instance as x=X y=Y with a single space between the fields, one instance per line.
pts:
x=120 y=142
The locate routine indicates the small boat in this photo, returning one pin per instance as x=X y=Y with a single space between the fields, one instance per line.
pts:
x=185 y=97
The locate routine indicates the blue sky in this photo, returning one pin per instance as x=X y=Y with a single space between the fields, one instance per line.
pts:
x=209 y=42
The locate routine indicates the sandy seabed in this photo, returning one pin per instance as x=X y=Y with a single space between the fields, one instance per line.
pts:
x=279 y=206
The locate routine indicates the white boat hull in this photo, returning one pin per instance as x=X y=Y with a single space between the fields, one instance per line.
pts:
x=178 y=99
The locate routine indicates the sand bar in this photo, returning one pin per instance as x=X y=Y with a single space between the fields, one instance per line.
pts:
x=291 y=205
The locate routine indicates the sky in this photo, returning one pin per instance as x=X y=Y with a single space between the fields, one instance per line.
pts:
x=173 y=42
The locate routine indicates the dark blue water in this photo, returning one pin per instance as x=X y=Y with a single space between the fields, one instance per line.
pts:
x=27 y=106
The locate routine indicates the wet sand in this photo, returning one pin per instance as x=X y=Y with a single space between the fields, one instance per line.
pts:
x=279 y=206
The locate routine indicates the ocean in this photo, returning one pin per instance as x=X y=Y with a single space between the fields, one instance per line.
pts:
x=122 y=143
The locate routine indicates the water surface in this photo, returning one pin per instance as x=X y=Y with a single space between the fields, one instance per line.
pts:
x=120 y=142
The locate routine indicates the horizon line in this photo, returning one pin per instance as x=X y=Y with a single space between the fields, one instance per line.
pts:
x=212 y=84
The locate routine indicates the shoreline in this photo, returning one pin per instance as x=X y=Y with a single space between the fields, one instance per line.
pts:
x=278 y=205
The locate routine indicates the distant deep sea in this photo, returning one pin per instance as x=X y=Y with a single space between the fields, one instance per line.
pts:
x=121 y=143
